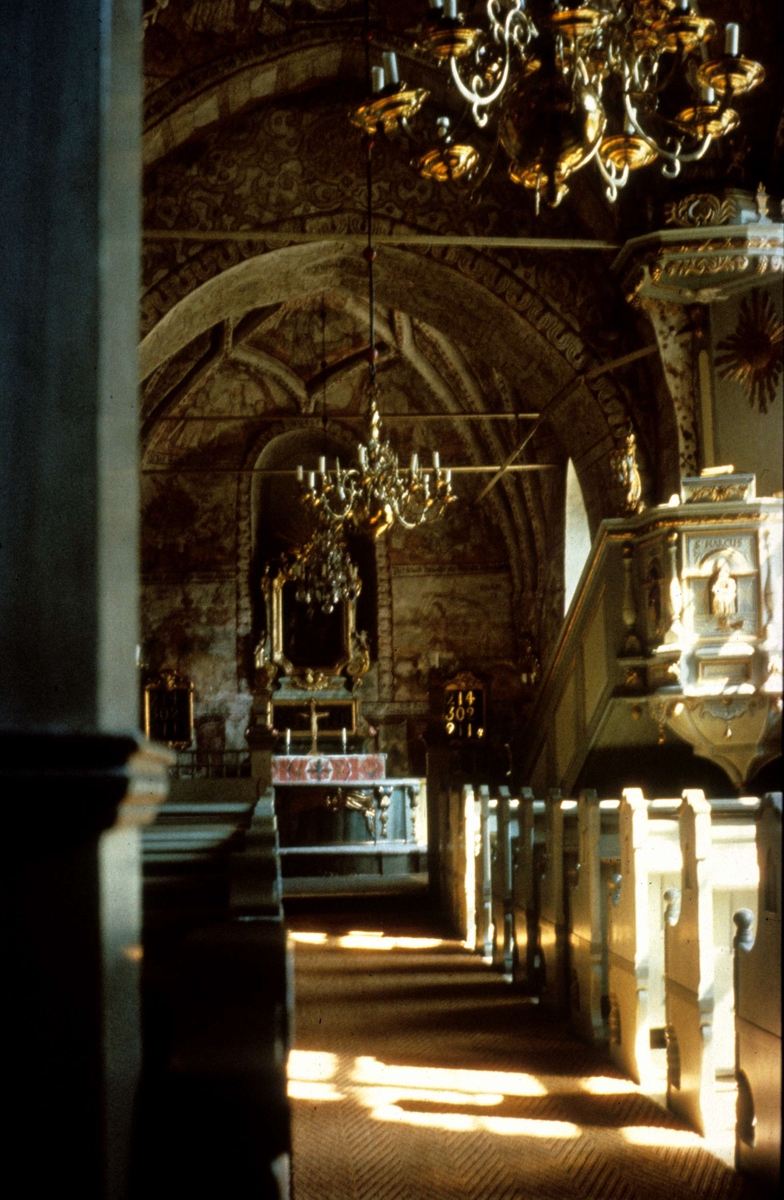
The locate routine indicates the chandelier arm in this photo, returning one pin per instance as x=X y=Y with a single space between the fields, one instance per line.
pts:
x=611 y=177
x=515 y=31
x=673 y=157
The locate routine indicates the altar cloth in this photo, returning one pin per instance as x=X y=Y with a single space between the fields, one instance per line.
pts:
x=328 y=768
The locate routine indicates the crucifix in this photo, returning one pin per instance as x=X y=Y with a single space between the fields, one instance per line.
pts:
x=314 y=720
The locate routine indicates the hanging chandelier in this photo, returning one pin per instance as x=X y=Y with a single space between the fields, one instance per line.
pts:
x=378 y=492
x=618 y=83
x=371 y=496
x=323 y=571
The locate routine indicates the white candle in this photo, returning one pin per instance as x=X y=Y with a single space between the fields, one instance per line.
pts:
x=436 y=460
x=376 y=79
x=288 y=740
x=448 y=475
x=344 y=740
x=363 y=456
x=732 y=40
x=708 y=95
x=436 y=4
x=390 y=67
x=414 y=463
x=311 y=480
x=450 y=8
x=683 y=5
x=300 y=473
x=322 y=465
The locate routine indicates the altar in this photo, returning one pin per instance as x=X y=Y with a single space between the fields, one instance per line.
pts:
x=343 y=821
x=341 y=815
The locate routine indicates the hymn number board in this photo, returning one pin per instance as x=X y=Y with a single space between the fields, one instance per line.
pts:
x=464 y=708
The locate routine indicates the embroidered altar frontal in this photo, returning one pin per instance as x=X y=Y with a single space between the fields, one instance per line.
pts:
x=326 y=768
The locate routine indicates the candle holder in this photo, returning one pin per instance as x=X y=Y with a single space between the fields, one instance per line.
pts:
x=735 y=76
x=388 y=109
x=446 y=163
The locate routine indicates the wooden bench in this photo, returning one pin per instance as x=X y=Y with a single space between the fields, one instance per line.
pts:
x=560 y=860
x=217 y=999
x=528 y=864
x=757 y=991
x=507 y=826
x=650 y=865
x=719 y=874
x=598 y=860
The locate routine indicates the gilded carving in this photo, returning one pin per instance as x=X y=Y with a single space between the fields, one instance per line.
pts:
x=624 y=467
x=751 y=356
x=702 y=208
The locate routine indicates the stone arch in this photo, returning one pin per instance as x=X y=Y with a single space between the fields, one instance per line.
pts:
x=464 y=294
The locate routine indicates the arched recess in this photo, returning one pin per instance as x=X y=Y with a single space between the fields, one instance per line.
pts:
x=281 y=524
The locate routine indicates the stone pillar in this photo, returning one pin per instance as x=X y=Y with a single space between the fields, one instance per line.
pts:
x=75 y=783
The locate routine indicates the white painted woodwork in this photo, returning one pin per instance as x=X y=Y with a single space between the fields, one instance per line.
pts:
x=598 y=858
x=758 y=1011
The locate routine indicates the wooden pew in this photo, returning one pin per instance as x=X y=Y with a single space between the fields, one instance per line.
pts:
x=757 y=989
x=650 y=865
x=598 y=861
x=217 y=1002
x=458 y=822
x=559 y=866
x=719 y=873
x=488 y=831
x=528 y=864
x=507 y=825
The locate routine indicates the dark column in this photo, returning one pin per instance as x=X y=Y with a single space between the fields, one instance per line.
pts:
x=74 y=780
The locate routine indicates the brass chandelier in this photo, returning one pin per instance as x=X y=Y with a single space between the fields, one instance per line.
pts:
x=620 y=83
x=378 y=492
x=323 y=571
x=370 y=497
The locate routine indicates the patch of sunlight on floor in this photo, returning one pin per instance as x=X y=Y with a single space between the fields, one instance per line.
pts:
x=509 y=1083
x=358 y=940
x=657 y=1135
x=302 y=1090
x=381 y=1097
x=309 y=939
x=470 y=1123
x=603 y=1085
x=312 y=1065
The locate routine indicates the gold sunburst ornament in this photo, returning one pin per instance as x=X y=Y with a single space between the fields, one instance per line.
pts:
x=751 y=356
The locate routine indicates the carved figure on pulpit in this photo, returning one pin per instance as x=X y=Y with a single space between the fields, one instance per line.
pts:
x=724 y=592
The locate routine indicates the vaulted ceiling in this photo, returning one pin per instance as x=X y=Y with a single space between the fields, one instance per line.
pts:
x=246 y=339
